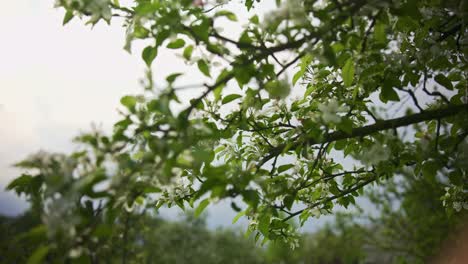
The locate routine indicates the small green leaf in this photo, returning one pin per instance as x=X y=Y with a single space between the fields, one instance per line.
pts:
x=229 y=15
x=444 y=81
x=346 y=125
x=379 y=33
x=388 y=94
x=254 y=20
x=277 y=89
x=249 y=4
x=203 y=204
x=21 y=181
x=203 y=67
x=264 y=224
x=202 y=30
x=341 y=144
x=429 y=169
x=188 y=52
x=238 y=216
x=217 y=93
x=171 y=78
x=229 y=98
x=288 y=201
x=128 y=101
x=140 y=32
x=244 y=73
x=347 y=73
x=297 y=76
x=68 y=16
x=176 y=44
x=285 y=167
x=39 y=254
x=148 y=55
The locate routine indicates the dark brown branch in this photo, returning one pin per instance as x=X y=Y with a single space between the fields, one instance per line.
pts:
x=437 y=135
x=285 y=67
x=331 y=198
x=368 y=31
x=413 y=96
x=329 y=177
x=436 y=93
x=374 y=128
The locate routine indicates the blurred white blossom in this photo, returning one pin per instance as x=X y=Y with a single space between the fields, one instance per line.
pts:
x=330 y=111
x=375 y=154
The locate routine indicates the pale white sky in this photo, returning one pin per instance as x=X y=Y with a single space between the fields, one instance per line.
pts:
x=55 y=81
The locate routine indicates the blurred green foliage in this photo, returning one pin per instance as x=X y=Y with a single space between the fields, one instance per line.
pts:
x=408 y=225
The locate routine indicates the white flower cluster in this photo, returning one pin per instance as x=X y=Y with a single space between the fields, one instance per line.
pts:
x=330 y=111
x=375 y=154
x=59 y=216
x=178 y=188
x=318 y=212
x=291 y=9
x=455 y=198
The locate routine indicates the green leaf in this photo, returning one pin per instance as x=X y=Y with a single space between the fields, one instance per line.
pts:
x=244 y=38
x=238 y=216
x=444 y=81
x=68 y=16
x=285 y=167
x=39 y=254
x=148 y=55
x=202 y=31
x=341 y=144
x=171 y=78
x=254 y=19
x=347 y=73
x=297 y=76
x=388 y=94
x=429 y=169
x=203 y=67
x=277 y=89
x=176 y=44
x=188 y=52
x=229 y=15
x=346 y=125
x=140 y=32
x=244 y=73
x=203 y=204
x=129 y=101
x=288 y=201
x=264 y=224
x=229 y=98
x=249 y=4
x=21 y=181
x=379 y=33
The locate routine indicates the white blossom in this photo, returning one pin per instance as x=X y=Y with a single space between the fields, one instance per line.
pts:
x=330 y=111
x=129 y=208
x=291 y=9
x=375 y=154
x=75 y=252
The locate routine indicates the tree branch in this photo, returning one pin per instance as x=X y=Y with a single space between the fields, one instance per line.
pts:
x=374 y=128
x=331 y=198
